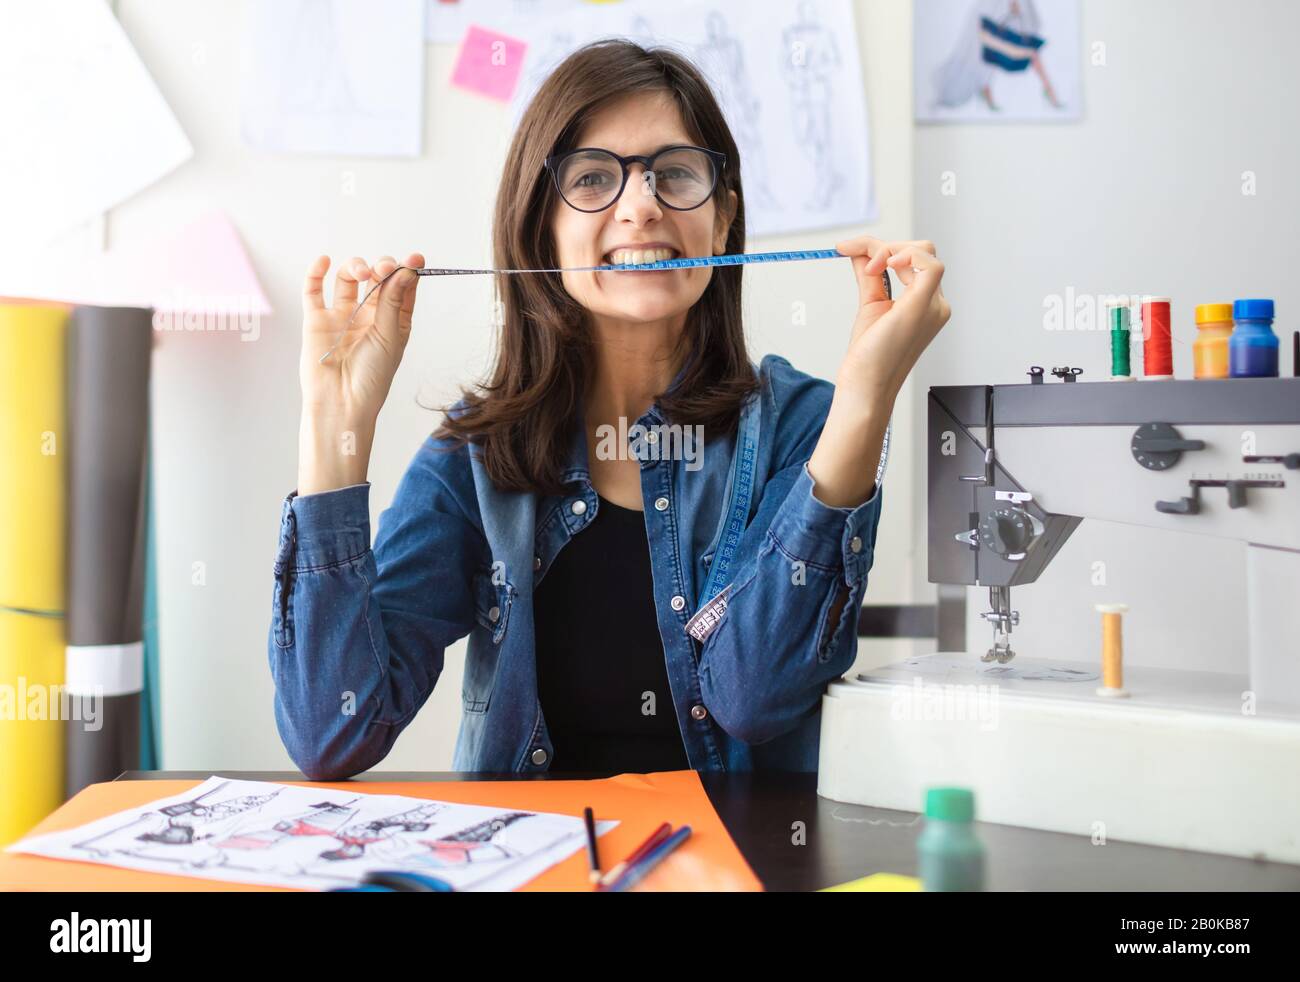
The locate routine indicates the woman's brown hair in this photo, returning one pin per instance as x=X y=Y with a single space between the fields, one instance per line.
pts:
x=521 y=417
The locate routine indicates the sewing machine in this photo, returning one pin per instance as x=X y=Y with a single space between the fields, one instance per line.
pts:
x=1190 y=759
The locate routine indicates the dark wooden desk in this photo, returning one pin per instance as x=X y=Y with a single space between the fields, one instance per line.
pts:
x=844 y=842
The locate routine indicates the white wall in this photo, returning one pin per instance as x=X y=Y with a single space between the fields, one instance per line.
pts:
x=226 y=411
x=1144 y=196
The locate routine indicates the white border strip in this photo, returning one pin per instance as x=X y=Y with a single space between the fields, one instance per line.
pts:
x=106 y=669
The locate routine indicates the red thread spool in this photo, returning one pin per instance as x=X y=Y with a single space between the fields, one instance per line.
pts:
x=1157 y=339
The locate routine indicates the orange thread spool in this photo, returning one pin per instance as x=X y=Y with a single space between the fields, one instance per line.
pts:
x=1112 y=649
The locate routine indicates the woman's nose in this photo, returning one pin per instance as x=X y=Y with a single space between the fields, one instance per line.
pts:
x=638 y=201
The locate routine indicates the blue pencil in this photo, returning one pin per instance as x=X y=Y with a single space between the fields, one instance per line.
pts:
x=638 y=871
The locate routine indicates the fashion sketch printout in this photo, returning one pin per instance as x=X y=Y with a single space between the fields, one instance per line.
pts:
x=990 y=60
x=334 y=77
x=315 y=839
x=789 y=82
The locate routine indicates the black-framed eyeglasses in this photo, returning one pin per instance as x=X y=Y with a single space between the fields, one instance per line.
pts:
x=591 y=179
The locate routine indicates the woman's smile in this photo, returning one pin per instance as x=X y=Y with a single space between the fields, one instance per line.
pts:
x=639 y=254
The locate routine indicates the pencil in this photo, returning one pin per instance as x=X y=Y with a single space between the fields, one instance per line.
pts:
x=589 y=818
x=655 y=837
x=647 y=863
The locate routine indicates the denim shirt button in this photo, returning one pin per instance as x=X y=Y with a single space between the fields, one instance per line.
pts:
x=494 y=614
x=661 y=504
x=652 y=437
x=539 y=756
x=678 y=602
x=856 y=543
x=537 y=563
x=698 y=712
x=578 y=507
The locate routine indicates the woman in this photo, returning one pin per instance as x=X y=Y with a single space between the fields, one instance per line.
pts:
x=576 y=541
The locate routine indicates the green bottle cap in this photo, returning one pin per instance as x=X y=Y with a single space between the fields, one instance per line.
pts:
x=950 y=804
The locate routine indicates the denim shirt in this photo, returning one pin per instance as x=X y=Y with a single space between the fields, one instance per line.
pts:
x=358 y=635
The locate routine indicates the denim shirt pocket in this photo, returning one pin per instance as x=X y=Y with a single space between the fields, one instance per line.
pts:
x=492 y=603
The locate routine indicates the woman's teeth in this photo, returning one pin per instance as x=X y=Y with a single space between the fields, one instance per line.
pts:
x=635 y=257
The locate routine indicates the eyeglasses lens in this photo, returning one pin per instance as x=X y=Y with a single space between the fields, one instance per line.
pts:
x=590 y=180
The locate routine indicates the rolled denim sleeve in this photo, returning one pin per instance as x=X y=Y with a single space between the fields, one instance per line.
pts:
x=790 y=626
x=818 y=534
x=358 y=634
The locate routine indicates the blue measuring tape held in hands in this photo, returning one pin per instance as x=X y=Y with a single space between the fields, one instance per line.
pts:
x=739 y=259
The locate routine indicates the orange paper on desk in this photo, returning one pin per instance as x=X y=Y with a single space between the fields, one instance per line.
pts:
x=709 y=859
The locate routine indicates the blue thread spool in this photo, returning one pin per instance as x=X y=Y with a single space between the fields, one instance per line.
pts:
x=1253 y=347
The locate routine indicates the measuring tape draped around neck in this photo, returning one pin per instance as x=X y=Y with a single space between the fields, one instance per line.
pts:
x=740 y=259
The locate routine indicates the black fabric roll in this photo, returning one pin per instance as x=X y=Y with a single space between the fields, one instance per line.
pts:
x=109 y=353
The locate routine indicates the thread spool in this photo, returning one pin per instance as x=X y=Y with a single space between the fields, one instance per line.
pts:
x=1157 y=339
x=1117 y=314
x=1112 y=650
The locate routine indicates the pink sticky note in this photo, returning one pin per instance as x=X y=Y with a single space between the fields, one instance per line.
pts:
x=489 y=63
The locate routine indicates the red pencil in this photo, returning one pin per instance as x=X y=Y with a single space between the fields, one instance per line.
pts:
x=656 y=837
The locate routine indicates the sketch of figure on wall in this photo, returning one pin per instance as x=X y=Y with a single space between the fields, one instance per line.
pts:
x=558 y=48
x=721 y=57
x=812 y=61
x=318 y=81
x=1001 y=37
x=641 y=32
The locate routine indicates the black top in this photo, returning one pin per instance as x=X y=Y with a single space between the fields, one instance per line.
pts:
x=599 y=653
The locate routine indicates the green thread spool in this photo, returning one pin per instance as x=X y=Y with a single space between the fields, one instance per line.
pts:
x=1119 y=342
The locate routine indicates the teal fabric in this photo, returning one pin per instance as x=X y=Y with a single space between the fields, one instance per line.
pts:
x=150 y=714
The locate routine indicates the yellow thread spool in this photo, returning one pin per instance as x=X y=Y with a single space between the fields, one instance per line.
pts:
x=1112 y=649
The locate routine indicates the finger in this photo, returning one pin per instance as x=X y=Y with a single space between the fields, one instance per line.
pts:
x=878 y=250
x=921 y=272
x=350 y=275
x=886 y=257
x=313 y=286
x=862 y=245
x=871 y=286
x=901 y=264
x=381 y=269
x=415 y=261
x=394 y=292
x=392 y=316
x=900 y=253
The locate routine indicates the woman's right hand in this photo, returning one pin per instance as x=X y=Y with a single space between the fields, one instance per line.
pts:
x=342 y=396
x=353 y=382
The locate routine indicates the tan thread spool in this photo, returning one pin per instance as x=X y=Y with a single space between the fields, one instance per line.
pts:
x=1112 y=649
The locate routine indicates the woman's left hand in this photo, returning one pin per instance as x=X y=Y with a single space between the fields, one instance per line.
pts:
x=889 y=335
x=888 y=338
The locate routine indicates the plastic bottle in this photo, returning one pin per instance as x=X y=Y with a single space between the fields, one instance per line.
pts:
x=949 y=854
x=1210 y=349
x=1253 y=347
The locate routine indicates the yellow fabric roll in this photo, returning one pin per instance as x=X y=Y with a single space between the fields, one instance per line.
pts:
x=31 y=750
x=32 y=522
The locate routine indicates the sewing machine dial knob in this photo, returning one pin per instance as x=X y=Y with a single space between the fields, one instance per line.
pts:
x=1009 y=531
